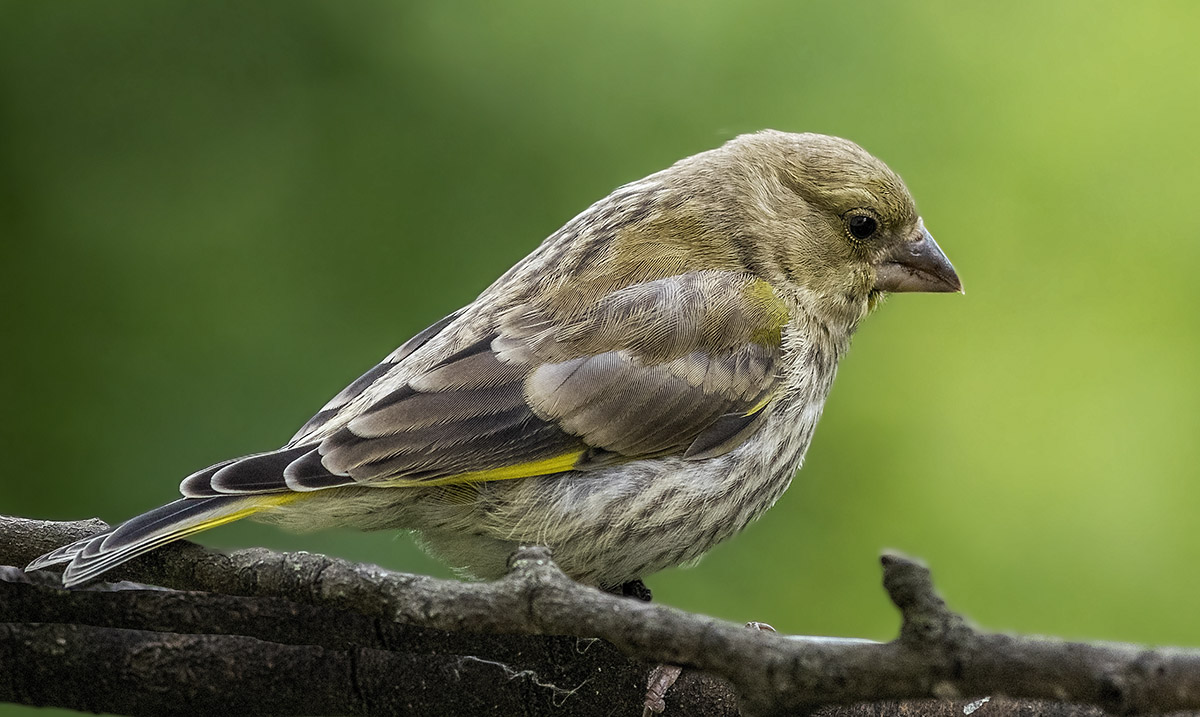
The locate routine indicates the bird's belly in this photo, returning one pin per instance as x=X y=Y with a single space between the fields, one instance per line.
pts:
x=610 y=526
x=606 y=527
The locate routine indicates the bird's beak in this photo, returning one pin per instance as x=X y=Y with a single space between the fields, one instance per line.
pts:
x=916 y=265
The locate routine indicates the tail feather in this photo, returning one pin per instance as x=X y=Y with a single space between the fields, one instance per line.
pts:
x=59 y=556
x=86 y=559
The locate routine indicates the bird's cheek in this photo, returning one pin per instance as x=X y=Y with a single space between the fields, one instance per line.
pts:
x=856 y=292
x=862 y=282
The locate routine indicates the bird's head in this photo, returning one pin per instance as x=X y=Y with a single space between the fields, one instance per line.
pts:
x=833 y=221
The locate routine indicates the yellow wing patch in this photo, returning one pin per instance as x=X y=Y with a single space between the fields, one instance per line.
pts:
x=262 y=502
x=770 y=314
x=546 y=466
x=760 y=405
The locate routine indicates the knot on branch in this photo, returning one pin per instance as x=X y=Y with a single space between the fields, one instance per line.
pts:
x=528 y=556
x=927 y=622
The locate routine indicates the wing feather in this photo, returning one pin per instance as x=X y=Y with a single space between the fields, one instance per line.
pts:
x=683 y=365
x=383 y=368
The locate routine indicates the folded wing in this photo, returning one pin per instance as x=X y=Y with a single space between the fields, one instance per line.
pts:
x=682 y=365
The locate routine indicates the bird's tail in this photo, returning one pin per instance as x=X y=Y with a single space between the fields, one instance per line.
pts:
x=91 y=556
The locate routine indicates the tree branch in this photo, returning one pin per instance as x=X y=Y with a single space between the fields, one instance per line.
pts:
x=361 y=640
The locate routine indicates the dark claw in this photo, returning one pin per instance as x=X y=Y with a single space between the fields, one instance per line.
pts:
x=636 y=589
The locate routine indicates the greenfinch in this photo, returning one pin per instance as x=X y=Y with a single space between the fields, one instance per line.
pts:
x=635 y=391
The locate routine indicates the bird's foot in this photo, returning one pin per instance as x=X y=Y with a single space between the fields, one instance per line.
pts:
x=635 y=589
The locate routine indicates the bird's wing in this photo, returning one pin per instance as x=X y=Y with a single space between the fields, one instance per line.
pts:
x=338 y=403
x=676 y=366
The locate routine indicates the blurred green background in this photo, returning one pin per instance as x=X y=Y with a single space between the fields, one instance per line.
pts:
x=214 y=215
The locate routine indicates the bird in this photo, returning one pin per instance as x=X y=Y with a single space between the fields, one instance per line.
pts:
x=636 y=390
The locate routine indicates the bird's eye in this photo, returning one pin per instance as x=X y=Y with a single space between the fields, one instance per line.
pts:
x=862 y=226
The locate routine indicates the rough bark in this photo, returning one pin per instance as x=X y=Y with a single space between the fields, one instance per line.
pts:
x=270 y=633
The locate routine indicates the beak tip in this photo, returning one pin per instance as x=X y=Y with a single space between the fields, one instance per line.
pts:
x=918 y=266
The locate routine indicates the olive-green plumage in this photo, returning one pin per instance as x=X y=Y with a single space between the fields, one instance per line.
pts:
x=637 y=389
